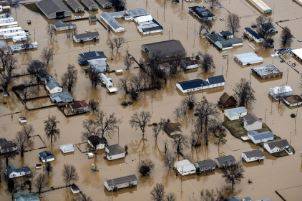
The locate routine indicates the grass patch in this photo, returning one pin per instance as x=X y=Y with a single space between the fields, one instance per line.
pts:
x=237 y=130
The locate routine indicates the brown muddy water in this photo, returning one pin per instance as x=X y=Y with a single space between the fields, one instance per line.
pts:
x=282 y=174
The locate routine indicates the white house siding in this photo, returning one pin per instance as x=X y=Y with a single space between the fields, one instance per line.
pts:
x=255 y=126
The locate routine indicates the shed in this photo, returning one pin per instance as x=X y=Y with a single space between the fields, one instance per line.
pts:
x=260 y=137
x=277 y=146
x=247 y=59
x=205 y=166
x=184 y=167
x=225 y=161
x=280 y=92
x=164 y=50
x=253 y=155
x=251 y=122
x=53 y=9
x=46 y=156
x=97 y=142
x=121 y=182
x=114 y=152
x=85 y=37
x=227 y=101
x=67 y=148
x=75 y=6
x=235 y=113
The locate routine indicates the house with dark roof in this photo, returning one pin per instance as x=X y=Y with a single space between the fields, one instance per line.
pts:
x=12 y=172
x=164 y=50
x=53 y=9
x=199 y=84
x=227 y=101
x=224 y=40
x=75 y=6
x=225 y=161
x=97 y=142
x=79 y=107
x=7 y=147
x=104 y=4
x=205 y=166
x=85 y=57
x=89 y=5
x=121 y=182
x=46 y=156
x=251 y=122
x=251 y=34
x=260 y=137
x=61 y=98
x=293 y=100
x=63 y=26
x=114 y=152
x=278 y=146
x=85 y=37
x=253 y=155
x=201 y=13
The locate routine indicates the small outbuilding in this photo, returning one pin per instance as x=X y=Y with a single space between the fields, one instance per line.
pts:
x=121 y=182
x=97 y=142
x=253 y=155
x=184 y=167
x=235 y=113
x=293 y=100
x=205 y=166
x=46 y=156
x=225 y=161
x=67 y=148
x=114 y=152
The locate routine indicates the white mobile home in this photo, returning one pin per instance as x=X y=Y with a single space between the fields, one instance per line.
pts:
x=6 y=20
x=10 y=30
x=8 y=25
x=184 y=167
x=16 y=36
x=261 y=6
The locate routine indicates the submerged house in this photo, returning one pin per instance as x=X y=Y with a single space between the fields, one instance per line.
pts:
x=235 y=113
x=75 y=6
x=63 y=26
x=279 y=92
x=89 y=5
x=251 y=34
x=251 y=122
x=79 y=107
x=61 y=98
x=52 y=86
x=293 y=100
x=184 y=167
x=86 y=37
x=205 y=166
x=227 y=101
x=114 y=152
x=13 y=173
x=224 y=40
x=85 y=57
x=199 y=84
x=253 y=155
x=53 y=9
x=225 y=161
x=277 y=146
x=267 y=72
x=246 y=59
x=46 y=156
x=201 y=13
x=260 y=137
x=25 y=196
x=121 y=182
x=105 y=4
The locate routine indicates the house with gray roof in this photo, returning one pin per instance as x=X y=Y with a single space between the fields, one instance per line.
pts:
x=75 y=6
x=85 y=37
x=224 y=40
x=260 y=137
x=90 y=5
x=278 y=146
x=251 y=122
x=61 y=98
x=109 y=18
x=53 y=9
x=63 y=26
x=53 y=86
x=121 y=182
x=114 y=152
x=225 y=161
x=235 y=113
x=104 y=4
x=205 y=166
x=253 y=155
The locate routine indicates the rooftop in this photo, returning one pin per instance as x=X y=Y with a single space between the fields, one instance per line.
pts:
x=53 y=8
x=114 y=150
x=254 y=153
x=256 y=135
x=121 y=180
x=250 y=118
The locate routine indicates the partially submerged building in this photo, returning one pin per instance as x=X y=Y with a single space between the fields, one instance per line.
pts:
x=85 y=57
x=104 y=4
x=205 y=166
x=224 y=40
x=75 y=6
x=184 y=167
x=261 y=6
x=97 y=142
x=53 y=9
x=253 y=155
x=258 y=137
x=201 y=13
x=252 y=34
x=86 y=37
x=251 y=122
x=278 y=146
x=267 y=72
x=90 y=5
x=52 y=86
x=7 y=147
x=46 y=156
x=246 y=59
x=67 y=148
x=225 y=161
x=12 y=172
x=235 y=113
x=114 y=152
x=226 y=101
x=121 y=182
x=297 y=53
x=293 y=100
x=63 y=26
x=26 y=196
x=164 y=50
x=110 y=20
x=279 y=92
x=199 y=84
x=61 y=98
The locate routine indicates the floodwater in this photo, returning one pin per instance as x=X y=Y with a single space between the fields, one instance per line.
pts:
x=282 y=174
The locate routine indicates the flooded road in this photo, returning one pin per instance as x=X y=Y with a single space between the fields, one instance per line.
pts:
x=284 y=174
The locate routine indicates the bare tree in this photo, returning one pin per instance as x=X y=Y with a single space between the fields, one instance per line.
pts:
x=51 y=129
x=70 y=174
x=37 y=69
x=119 y=5
x=111 y=45
x=51 y=33
x=244 y=93
x=207 y=63
x=169 y=159
x=286 y=37
x=219 y=133
x=8 y=64
x=47 y=55
x=170 y=197
x=94 y=106
x=180 y=142
x=205 y=27
x=70 y=77
x=22 y=141
x=128 y=60
x=145 y=167
x=233 y=22
x=94 y=77
x=118 y=43
x=140 y=121
x=40 y=182
x=157 y=129
x=233 y=174
x=265 y=29
x=158 y=192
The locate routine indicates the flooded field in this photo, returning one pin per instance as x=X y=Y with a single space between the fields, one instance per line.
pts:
x=282 y=174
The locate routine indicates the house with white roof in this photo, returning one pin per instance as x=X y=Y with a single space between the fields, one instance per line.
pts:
x=184 y=167
x=246 y=59
x=235 y=113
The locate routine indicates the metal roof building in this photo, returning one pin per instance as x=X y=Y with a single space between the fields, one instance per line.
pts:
x=89 y=4
x=75 y=6
x=53 y=9
x=121 y=182
x=110 y=20
x=249 y=58
x=105 y=4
